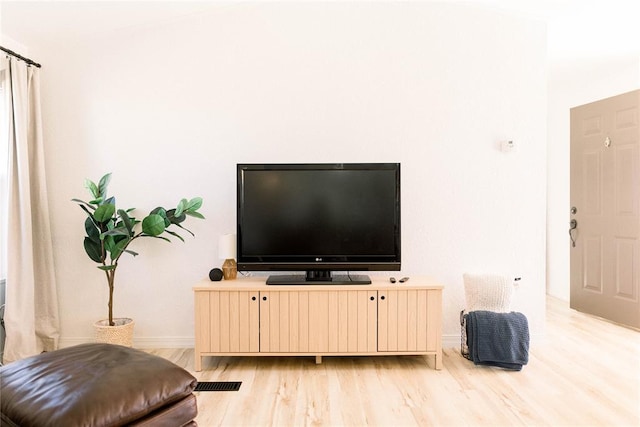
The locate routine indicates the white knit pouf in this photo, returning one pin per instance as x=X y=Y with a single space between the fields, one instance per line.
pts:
x=490 y=292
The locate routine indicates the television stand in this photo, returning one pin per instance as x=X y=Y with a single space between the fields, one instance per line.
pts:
x=298 y=279
x=245 y=317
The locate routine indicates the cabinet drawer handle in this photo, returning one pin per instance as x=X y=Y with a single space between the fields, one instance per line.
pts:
x=372 y=298
x=382 y=297
x=253 y=298
x=264 y=298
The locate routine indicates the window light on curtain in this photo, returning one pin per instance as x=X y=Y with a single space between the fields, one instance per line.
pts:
x=4 y=165
x=31 y=309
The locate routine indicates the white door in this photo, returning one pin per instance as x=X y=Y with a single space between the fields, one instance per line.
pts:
x=605 y=209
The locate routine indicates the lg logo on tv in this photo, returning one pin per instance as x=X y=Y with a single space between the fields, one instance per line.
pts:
x=318 y=259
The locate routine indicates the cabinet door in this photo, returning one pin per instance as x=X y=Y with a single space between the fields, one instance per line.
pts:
x=278 y=322
x=402 y=320
x=353 y=318
x=228 y=321
x=318 y=321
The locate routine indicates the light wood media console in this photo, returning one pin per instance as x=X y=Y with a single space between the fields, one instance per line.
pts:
x=246 y=317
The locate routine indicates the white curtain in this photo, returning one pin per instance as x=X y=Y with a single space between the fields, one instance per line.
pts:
x=31 y=311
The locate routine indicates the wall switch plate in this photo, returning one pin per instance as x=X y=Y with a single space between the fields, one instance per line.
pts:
x=507 y=146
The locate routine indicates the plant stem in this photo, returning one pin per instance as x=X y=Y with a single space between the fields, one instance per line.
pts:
x=110 y=281
x=111 y=274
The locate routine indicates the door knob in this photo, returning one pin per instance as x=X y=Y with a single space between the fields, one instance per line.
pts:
x=573 y=224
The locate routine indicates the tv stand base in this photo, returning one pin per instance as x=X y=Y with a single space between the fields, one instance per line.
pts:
x=245 y=317
x=291 y=279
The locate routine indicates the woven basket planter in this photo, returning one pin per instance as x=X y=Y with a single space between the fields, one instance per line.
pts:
x=120 y=334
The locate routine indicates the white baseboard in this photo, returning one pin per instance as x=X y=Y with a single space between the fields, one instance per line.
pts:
x=452 y=340
x=448 y=341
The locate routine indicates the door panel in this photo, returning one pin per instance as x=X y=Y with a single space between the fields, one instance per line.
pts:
x=626 y=158
x=593 y=264
x=592 y=181
x=626 y=253
x=605 y=189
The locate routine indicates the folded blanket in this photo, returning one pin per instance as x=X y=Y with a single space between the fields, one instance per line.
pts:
x=498 y=339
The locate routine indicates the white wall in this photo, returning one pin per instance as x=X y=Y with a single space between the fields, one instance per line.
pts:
x=9 y=43
x=171 y=109
x=575 y=83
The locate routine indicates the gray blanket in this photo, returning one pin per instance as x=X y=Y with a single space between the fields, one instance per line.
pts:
x=498 y=339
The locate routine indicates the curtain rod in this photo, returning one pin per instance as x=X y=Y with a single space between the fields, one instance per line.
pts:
x=27 y=60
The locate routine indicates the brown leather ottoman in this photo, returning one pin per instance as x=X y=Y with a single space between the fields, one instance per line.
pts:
x=96 y=385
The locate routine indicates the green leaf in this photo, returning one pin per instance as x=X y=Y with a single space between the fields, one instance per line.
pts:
x=111 y=200
x=195 y=214
x=104 y=212
x=127 y=221
x=173 y=233
x=163 y=213
x=119 y=247
x=194 y=204
x=108 y=243
x=171 y=214
x=119 y=238
x=83 y=204
x=153 y=225
x=92 y=187
x=93 y=232
x=131 y=252
x=97 y=201
x=107 y=267
x=181 y=207
x=159 y=237
x=118 y=231
x=103 y=184
x=84 y=208
x=93 y=249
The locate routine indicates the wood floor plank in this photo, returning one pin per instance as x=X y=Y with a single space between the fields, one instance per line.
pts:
x=585 y=372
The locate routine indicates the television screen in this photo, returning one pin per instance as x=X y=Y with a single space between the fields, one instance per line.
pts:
x=316 y=218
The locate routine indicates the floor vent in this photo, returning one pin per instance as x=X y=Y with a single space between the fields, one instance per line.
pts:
x=218 y=386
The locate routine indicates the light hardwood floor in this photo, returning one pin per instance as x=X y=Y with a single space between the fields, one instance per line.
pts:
x=584 y=372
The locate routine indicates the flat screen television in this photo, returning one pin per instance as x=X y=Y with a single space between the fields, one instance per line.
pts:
x=315 y=219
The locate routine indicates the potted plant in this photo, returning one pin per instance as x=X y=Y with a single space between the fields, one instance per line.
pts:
x=110 y=231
